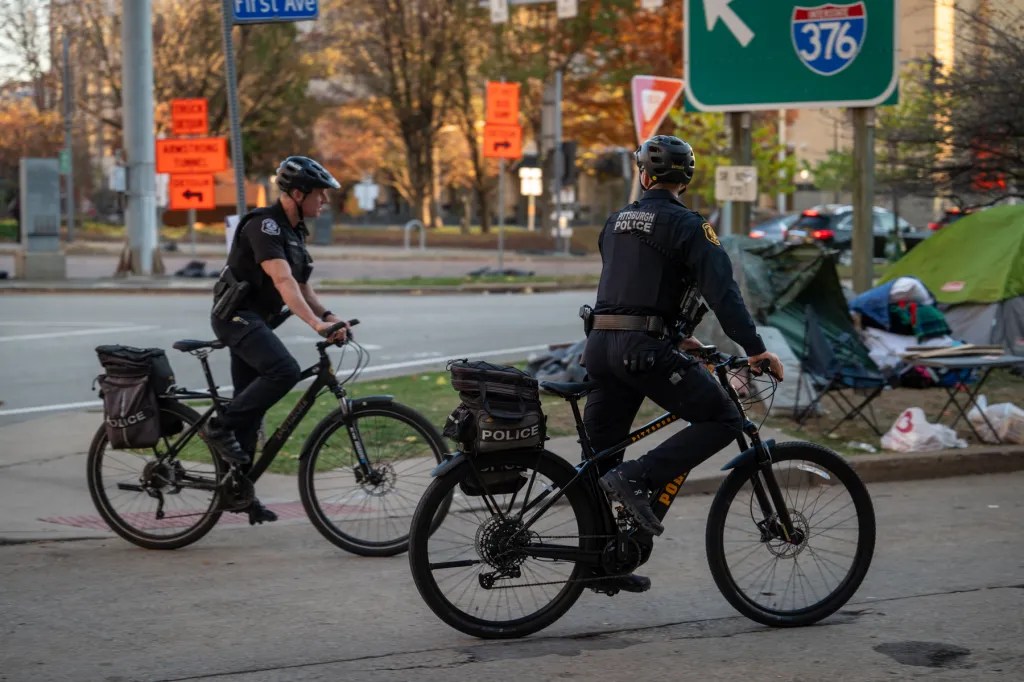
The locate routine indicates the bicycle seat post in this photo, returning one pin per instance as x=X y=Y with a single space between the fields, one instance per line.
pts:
x=210 y=383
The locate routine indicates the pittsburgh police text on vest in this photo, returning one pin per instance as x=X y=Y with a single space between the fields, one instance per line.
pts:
x=635 y=221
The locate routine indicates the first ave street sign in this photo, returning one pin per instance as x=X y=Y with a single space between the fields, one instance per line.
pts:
x=742 y=55
x=261 y=11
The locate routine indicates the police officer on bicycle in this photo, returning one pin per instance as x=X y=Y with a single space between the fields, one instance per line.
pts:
x=268 y=267
x=656 y=254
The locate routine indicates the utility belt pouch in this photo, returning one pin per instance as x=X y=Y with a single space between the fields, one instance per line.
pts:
x=228 y=294
x=587 y=315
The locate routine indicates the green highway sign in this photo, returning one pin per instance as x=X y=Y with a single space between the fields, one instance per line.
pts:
x=742 y=55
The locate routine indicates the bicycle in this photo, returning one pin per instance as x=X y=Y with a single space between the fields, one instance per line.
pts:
x=361 y=468
x=531 y=530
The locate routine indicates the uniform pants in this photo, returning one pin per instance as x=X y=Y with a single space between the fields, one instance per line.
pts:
x=677 y=382
x=262 y=371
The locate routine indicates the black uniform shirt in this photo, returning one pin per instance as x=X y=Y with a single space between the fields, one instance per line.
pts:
x=266 y=234
x=650 y=248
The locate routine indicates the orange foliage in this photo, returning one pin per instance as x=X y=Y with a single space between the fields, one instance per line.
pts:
x=27 y=132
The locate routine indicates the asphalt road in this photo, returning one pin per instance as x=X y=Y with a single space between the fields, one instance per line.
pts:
x=47 y=342
x=942 y=601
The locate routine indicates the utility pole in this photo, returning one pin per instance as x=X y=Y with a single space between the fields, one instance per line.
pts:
x=237 y=160
x=862 y=244
x=137 y=74
x=68 y=113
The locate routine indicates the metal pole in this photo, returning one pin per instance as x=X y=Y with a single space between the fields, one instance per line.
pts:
x=501 y=216
x=68 y=113
x=741 y=156
x=863 y=197
x=236 y=126
x=137 y=73
x=558 y=155
x=780 y=198
x=192 y=228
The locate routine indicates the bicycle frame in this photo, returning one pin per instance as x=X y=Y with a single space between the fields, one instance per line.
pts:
x=767 y=491
x=323 y=377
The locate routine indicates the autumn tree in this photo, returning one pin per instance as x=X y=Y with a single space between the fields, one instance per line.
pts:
x=28 y=132
x=25 y=50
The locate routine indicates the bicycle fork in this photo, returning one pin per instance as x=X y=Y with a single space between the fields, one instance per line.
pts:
x=776 y=521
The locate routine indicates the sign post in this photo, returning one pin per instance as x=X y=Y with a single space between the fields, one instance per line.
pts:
x=503 y=139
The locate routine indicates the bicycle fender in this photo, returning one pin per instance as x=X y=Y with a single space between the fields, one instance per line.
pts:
x=373 y=400
x=746 y=455
x=447 y=463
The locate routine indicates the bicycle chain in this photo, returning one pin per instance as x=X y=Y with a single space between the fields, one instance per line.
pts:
x=562 y=582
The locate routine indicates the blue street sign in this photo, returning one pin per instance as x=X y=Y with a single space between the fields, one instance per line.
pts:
x=263 y=11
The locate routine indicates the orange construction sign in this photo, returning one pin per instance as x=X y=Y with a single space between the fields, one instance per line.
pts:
x=653 y=96
x=196 y=155
x=190 y=191
x=502 y=103
x=503 y=141
x=189 y=117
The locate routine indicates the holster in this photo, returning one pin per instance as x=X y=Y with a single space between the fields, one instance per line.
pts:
x=228 y=294
x=587 y=315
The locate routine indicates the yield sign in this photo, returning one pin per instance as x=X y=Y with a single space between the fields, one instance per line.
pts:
x=653 y=96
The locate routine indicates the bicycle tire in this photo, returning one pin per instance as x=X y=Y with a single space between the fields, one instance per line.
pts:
x=471 y=538
x=402 y=446
x=829 y=478
x=131 y=513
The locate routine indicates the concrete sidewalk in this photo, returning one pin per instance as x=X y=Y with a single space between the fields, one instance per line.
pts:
x=44 y=496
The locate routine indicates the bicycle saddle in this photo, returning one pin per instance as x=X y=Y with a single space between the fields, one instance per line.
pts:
x=189 y=345
x=570 y=390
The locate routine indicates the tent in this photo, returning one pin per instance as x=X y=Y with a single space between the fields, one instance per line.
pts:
x=975 y=266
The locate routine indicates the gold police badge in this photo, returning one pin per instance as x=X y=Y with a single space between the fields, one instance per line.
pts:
x=709 y=234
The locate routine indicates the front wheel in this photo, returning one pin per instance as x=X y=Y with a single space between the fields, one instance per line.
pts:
x=367 y=510
x=162 y=497
x=493 y=568
x=799 y=580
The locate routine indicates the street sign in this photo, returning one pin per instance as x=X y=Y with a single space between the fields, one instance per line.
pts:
x=736 y=183
x=198 y=155
x=191 y=191
x=366 y=194
x=503 y=141
x=531 y=181
x=789 y=54
x=189 y=117
x=263 y=11
x=502 y=103
x=64 y=161
x=653 y=96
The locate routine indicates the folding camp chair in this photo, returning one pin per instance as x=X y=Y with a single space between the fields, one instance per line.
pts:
x=833 y=369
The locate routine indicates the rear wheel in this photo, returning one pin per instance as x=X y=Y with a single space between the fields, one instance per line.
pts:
x=368 y=513
x=800 y=580
x=162 y=497
x=482 y=570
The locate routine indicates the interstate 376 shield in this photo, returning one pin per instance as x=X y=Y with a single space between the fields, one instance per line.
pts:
x=828 y=38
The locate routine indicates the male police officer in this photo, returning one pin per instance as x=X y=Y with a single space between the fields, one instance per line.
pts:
x=268 y=266
x=653 y=251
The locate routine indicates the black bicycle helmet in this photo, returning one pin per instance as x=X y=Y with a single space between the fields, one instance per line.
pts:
x=666 y=159
x=304 y=174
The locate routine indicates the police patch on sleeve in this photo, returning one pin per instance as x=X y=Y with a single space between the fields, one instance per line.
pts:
x=709 y=234
x=270 y=227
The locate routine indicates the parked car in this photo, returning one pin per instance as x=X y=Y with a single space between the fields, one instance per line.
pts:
x=832 y=226
x=774 y=229
x=950 y=215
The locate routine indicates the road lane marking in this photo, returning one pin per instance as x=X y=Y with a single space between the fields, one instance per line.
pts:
x=80 y=332
x=438 y=358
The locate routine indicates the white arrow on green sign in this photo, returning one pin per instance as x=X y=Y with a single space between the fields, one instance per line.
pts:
x=742 y=55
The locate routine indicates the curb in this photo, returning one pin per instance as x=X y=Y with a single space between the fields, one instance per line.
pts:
x=171 y=286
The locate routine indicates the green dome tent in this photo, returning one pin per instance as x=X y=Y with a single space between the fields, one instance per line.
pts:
x=976 y=267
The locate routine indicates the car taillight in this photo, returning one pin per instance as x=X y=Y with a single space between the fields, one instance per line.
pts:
x=934 y=225
x=756 y=234
x=823 y=235
x=811 y=213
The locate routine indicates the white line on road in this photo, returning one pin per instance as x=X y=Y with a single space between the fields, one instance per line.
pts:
x=80 y=332
x=376 y=368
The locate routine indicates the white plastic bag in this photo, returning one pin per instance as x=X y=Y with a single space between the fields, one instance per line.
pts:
x=913 y=433
x=1006 y=418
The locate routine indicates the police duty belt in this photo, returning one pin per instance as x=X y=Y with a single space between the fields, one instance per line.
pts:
x=630 y=323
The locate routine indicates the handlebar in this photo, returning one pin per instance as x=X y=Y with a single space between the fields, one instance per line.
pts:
x=337 y=326
x=710 y=354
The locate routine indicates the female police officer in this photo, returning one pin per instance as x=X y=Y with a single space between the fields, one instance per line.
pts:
x=653 y=251
x=268 y=267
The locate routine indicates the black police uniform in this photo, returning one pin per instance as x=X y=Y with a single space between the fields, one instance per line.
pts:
x=262 y=369
x=649 y=250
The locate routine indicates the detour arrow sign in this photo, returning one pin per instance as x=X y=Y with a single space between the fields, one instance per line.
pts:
x=191 y=191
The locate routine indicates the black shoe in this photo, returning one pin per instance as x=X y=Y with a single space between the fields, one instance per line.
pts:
x=260 y=514
x=613 y=584
x=224 y=443
x=627 y=484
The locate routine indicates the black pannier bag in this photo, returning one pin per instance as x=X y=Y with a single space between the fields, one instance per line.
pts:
x=500 y=408
x=134 y=379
